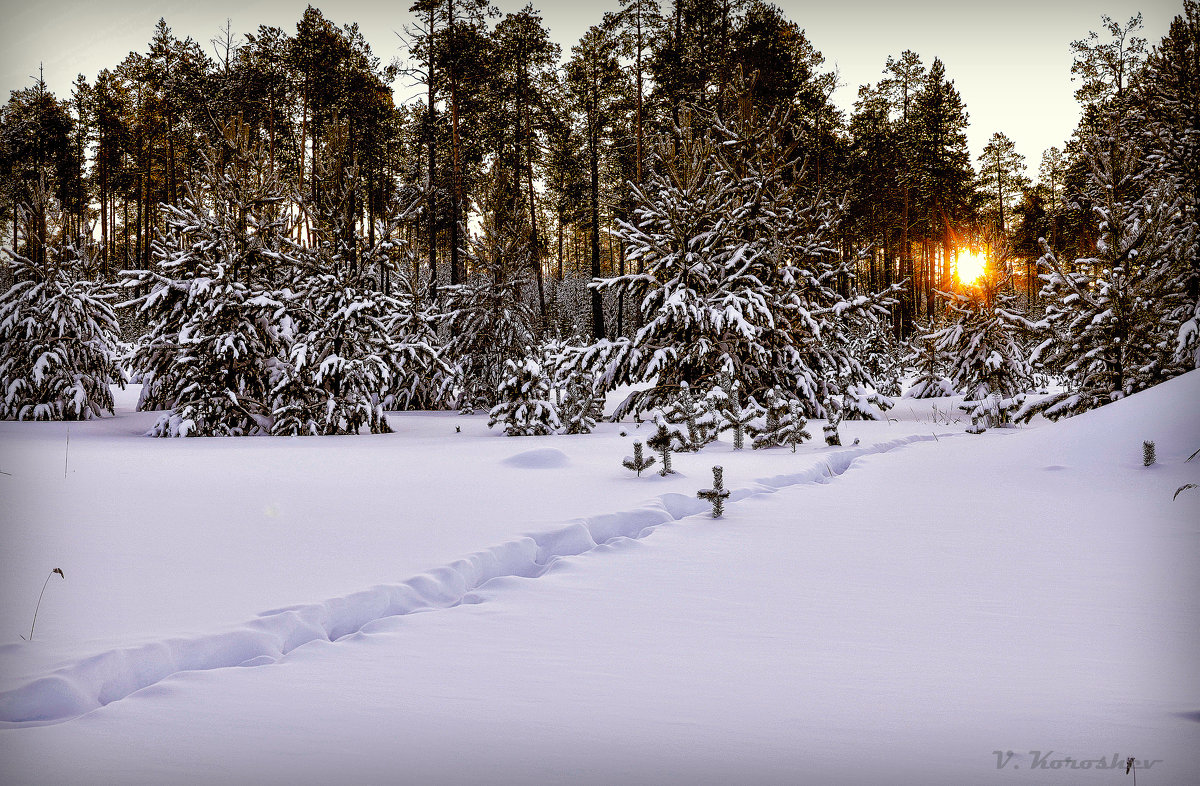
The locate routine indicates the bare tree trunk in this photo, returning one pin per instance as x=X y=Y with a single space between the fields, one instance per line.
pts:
x=431 y=189
x=594 y=161
x=456 y=189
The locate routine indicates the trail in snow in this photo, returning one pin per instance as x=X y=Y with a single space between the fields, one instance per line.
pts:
x=98 y=680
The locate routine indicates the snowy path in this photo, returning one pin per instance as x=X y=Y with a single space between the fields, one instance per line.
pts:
x=113 y=675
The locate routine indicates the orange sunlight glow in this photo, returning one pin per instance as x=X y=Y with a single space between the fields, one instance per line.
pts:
x=970 y=265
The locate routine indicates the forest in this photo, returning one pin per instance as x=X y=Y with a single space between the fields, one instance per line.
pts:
x=256 y=230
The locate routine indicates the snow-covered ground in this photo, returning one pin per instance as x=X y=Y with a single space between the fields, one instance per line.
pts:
x=453 y=606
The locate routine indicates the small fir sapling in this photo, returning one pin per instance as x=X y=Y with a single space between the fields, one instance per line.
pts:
x=834 y=415
x=929 y=361
x=663 y=441
x=771 y=425
x=784 y=425
x=638 y=461
x=1148 y=454
x=525 y=408
x=986 y=412
x=696 y=415
x=717 y=494
x=795 y=434
x=581 y=405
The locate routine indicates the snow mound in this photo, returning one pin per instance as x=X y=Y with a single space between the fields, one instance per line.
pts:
x=1113 y=434
x=539 y=458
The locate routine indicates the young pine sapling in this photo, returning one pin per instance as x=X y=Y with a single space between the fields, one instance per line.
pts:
x=717 y=494
x=830 y=429
x=661 y=442
x=736 y=416
x=638 y=461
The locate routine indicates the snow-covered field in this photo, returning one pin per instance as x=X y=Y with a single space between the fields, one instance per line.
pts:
x=447 y=605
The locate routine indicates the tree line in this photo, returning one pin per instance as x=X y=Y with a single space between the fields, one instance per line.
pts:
x=505 y=118
x=677 y=199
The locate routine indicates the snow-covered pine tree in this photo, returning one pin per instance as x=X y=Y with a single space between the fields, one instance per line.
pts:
x=1187 y=345
x=1169 y=89
x=58 y=343
x=742 y=271
x=1113 y=321
x=489 y=320
x=581 y=405
x=880 y=355
x=215 y=326
x=208 y=356
x=353 y=349
x=986 y=359
x=927 y=361
x=784 y=424
x=342 y=357
x=525 y=408
x=733 y=414
x=423 y=378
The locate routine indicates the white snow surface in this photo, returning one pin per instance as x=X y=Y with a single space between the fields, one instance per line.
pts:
x=446 y=606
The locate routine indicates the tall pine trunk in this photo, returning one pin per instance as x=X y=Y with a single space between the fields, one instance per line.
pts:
x=594 y=162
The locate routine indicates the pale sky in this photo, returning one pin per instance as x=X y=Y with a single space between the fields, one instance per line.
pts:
x=1010 y=61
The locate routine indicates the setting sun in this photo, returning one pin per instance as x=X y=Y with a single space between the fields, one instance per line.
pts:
x=970 y=266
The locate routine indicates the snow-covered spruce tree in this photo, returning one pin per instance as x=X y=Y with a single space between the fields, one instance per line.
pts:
x=342 y=358
x=58 y=343
x=924 y=357
x=986 y=359
x=525 y=408
x=580 y=404
x=881 y=356
x=489 y=321
x=423 y=379
x=733 y=414
x=1113 y=321
x=215 y=327
x=785 y=422
x=1169 y=89
x=212 y=343
x=352 y=348
x=741 y=274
